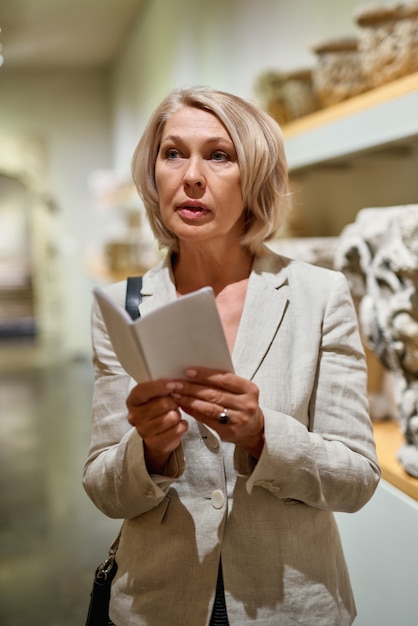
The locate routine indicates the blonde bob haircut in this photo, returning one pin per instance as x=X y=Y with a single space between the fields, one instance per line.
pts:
x=258 y=141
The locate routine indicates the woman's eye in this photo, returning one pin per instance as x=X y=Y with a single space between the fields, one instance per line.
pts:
x=172 y=153
x=219 y=156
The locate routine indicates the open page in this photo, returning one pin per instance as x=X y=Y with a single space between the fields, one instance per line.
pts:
x=186 y=332
x=124 y=342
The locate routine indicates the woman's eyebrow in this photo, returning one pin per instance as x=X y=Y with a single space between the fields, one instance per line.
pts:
x=179 y=138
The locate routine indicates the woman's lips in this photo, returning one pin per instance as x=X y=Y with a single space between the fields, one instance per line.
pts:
x=192 y=211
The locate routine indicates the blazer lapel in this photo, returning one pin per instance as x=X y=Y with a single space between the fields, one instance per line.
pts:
x=158 y=287
x=265 y=306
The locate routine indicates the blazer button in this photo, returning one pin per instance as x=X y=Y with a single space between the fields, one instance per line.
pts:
x=213 y=443
x=217 y=499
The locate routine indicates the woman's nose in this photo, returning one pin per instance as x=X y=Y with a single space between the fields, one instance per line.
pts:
x=193 y=176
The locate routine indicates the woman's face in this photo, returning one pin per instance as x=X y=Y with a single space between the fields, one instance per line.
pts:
x=198 y=179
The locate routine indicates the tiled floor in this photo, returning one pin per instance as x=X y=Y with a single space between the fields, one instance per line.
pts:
x=51 y=536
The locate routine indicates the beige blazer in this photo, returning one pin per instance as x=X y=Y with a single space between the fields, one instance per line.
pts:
x=271 y=521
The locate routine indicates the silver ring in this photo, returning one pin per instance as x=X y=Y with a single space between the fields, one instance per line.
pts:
x=223 y=417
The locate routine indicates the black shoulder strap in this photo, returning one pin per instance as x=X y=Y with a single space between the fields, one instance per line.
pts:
x=133 y=295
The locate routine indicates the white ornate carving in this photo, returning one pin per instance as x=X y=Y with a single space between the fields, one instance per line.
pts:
x=379 y=255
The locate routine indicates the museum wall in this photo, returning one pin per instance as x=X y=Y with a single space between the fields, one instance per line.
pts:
x=67 y=112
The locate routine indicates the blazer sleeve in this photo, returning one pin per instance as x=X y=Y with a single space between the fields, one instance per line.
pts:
x=115 y=476
x=330 y=461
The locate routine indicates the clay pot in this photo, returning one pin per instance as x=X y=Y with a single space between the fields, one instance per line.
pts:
x=287 y=96
x=388 y=41
x=338 y=73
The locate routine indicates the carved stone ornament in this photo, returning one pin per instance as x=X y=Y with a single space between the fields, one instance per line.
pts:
x=379 y=255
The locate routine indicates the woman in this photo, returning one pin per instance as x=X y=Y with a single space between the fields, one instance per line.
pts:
x=228 y=481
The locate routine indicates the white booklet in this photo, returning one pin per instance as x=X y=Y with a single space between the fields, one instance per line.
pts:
x=164 y=343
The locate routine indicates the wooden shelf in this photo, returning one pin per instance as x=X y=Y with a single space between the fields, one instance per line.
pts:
x=353 y=106
x=389 y=439
x=377 y=118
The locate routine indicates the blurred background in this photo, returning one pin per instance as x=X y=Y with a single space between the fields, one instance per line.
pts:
x=78 y=81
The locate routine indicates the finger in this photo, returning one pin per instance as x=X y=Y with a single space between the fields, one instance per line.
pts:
x=166 y=424
x=143 y=392
x=217 y=378
x=148 y=413
x=159 y=431
x=167 y=441
x=154 y=409
x=220 y=397
x=205 y=403
x=190 y=393
x=201 y=409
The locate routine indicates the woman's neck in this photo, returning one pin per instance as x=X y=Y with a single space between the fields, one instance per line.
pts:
x=196 y=268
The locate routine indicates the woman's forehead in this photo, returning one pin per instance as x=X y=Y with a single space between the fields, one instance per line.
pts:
x=191 y=120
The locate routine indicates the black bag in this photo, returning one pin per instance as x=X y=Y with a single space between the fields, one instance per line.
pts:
x=98 y=613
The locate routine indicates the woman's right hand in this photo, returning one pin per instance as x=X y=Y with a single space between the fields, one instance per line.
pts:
x=157 y=419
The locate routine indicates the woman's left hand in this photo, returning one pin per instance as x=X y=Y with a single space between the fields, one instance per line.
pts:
x=208 y=395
